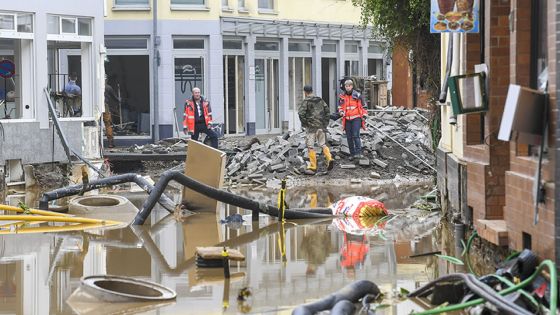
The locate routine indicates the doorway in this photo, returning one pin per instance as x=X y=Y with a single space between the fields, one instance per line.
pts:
x=234 y=97
x=267 y=92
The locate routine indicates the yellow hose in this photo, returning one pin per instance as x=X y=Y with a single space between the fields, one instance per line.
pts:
x=46 y=229
x=45 y=218
x=33 y=211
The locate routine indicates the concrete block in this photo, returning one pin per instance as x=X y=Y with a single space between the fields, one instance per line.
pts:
x=375 y=175
x=345 y=149
x=380 y=163
x=364 y=162
x=348 y=166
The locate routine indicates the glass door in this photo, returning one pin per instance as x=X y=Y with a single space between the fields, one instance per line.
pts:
x=234 y=97
x=189 y=73
x=267 y=92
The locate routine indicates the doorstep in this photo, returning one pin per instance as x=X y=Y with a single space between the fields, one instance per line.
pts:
x=494 y=231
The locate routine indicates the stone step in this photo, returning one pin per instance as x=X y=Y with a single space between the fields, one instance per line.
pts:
x=494 y=231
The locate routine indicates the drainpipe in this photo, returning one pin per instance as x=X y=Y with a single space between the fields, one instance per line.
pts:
x=155 y=64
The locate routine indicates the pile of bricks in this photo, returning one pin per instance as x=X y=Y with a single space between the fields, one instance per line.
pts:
x=287 y=154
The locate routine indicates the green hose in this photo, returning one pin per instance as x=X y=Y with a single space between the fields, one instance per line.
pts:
x=553 y=292
x=467 y=250
x=511 y=284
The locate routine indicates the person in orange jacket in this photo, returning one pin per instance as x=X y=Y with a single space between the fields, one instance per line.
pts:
x=352 y=109
x=198 y=116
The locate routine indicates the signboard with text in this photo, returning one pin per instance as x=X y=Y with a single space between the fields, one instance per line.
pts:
x=454 y=16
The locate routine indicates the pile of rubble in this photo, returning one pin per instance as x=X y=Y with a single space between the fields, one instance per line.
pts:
x=396 y=141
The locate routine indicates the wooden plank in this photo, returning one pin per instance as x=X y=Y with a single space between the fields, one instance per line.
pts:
x=216 y=253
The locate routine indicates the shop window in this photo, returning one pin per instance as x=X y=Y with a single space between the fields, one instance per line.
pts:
x=299 y=46
x=126 y=43
x=233 y=44
x=184 y=43
x=267 y=46
x=375 y=68
x=300 y=75
x=15 y=82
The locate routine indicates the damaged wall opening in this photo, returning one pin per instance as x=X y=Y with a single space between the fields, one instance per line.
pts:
x=129 y=77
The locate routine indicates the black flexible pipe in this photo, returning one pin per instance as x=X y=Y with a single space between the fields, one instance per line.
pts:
x=477 y=287
x=352 y=293
x=217 y=194
x=167 y=203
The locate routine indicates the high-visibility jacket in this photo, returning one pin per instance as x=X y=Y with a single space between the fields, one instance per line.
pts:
x=189 y=115
x=351 y=107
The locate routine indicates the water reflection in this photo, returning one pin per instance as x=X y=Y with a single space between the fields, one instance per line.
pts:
x=286 y=264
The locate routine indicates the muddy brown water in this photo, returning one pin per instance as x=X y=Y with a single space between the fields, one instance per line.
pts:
x=286 y=265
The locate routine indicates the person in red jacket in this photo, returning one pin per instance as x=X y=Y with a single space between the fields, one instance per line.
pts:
x=351 y=107
x=198 y=116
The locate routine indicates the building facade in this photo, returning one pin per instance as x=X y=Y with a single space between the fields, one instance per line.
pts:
x=41 y=46
x=487 y=182
x=250 y=58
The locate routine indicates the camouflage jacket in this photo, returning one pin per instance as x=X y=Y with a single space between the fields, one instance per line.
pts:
x=314 y=113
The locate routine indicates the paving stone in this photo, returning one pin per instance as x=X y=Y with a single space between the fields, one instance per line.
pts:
x=364 y=162
x=375 y=175
x=348 y=166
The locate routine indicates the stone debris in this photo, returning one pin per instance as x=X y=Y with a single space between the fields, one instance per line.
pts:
x=259 y=159
x=285 y=155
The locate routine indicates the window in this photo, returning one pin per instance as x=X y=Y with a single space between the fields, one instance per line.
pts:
x=266 y=45
x=184 y=43
x=225 y=4
x=233 y=44
x=63 y=25
x=132 y=3
x=539 y=55
x=351 y=67
x=375 y=48
x=22 y=22
x=299 y=46
x=188 y=2
x=241 y=4
x=351 y=47
x=7 y=22
x=126 y=43
x=328 y=47
x=68 y=26
x=266 y=4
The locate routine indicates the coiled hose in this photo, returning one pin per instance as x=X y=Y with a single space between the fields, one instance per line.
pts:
x=352 y=293
x=553 y=291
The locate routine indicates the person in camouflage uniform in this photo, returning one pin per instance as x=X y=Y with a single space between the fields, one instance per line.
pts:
x=314 y=116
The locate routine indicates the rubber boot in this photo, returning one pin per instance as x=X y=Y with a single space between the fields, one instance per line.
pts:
x=110 y=142
x=312 y=168
x=328 y=157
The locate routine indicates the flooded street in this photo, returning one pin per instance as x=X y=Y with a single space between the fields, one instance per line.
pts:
x=286 y=264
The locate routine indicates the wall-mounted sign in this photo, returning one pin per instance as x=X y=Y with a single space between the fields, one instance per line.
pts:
x=7 y=69
x=455 y=16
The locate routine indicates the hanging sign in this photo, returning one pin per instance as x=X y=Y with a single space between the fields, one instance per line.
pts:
x=7 y=69
x=454 y=16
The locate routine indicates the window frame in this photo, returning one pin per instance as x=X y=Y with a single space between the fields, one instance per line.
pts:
x=271 y=10
x=189 y=7
x=14 y=33
x=132 y=7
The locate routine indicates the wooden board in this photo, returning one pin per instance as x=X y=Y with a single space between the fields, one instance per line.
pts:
x=216 y=253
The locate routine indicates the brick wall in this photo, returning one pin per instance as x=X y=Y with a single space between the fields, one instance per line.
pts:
x=487 y=162
x=520 y=179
